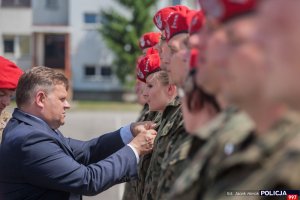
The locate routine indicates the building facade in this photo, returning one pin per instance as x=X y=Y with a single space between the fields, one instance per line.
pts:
x=63 y=34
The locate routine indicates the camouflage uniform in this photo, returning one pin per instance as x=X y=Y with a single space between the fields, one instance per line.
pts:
x=144 y=113
x=169 y=154
x=219 y=136
x=145 y=160
x=130 y=191
x=4 y=117
x=174 y=162
x=265 y=162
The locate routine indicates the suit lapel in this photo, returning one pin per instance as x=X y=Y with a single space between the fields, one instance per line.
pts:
x=44 y=128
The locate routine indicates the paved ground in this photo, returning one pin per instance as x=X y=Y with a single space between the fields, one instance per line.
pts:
x=85 y=125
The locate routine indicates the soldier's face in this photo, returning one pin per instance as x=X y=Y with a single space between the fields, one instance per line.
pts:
x=156 y=94
x=139 y=87
x=278 y=33
x=194 y=41
x=212 y=58
x=244 y=74
x=164 y=54
x=5 y=98
x=178 y=68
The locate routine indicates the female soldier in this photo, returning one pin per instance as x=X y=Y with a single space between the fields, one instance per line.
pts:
x=162 y=97
x=9 y=76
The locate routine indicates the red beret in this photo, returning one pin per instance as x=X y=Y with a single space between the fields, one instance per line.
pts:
x=151 y=50
x=147 y=65
x=223 y=10
x=178 y=22
x=149 y=39
x=10 y=74
x=194 y=58
x=183 y=9
x=139 y=73
x=161 y=16
x=197 y=22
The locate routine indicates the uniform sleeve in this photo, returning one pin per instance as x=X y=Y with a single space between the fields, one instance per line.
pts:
x=45 y=164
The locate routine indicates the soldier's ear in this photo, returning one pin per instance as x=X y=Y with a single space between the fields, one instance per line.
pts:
x=172 y=90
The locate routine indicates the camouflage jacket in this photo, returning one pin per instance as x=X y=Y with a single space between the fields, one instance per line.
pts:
x=144 y=113
x=174 y=162
x=164 y=152
x=130 y=191
x=4 y=117
x=269 y=161
x=229 y=127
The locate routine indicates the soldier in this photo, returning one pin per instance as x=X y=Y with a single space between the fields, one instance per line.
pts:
x=228 y=127
x=138 y=187
x=278 y=31
x=130 y=191
x=148 y=43
x=270 y=160
x=177 y=27
x=160 y=21
x=259 y=160
x=176 y=156
x=161 y=97
x=139 y=88
x=135 y=190
x=149 y=40
x=9 y=76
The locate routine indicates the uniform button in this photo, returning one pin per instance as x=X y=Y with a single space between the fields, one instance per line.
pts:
x=228 y=149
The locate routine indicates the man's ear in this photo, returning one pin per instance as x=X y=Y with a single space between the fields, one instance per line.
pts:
x=40 y=98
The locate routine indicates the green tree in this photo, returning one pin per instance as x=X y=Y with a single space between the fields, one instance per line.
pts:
x=122 y=35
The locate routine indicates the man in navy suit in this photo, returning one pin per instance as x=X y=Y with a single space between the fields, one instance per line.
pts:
x=38 y=162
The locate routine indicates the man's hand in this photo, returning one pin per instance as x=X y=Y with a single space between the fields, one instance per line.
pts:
x=143 y=142
x=139 y=127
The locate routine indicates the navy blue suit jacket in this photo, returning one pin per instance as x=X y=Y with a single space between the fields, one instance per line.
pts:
x=37 y=162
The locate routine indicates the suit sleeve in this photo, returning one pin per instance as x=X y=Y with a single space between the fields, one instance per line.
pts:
x=97 y=149
x=45 y=164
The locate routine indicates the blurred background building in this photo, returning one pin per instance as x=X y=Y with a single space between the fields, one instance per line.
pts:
x=64 y=34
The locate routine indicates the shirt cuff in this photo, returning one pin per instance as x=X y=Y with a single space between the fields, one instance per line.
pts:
x=126 y=134
x=135 y=153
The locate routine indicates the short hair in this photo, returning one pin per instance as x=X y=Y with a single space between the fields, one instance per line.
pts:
x=38 y=78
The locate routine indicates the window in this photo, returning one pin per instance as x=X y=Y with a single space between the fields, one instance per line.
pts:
x=176 y=2
x=90 y=70
x=106 y=71
x=51 y=4
x=94 y=72
x=21 y=42
x=55 y=48
x=15 y=3
x=8 y=44
x=90 y=18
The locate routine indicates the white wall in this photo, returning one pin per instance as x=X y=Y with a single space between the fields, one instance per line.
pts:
x=16 y=22
x=87 y=46
x=46 y=16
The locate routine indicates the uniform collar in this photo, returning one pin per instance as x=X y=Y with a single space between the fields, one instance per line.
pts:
x=216 y=124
